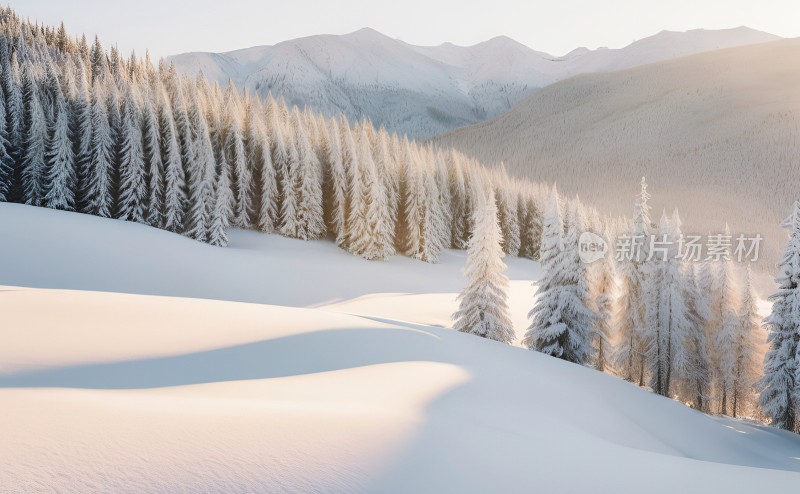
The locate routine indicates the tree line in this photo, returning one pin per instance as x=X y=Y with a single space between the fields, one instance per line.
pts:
x=84 y=129
x=687 y=330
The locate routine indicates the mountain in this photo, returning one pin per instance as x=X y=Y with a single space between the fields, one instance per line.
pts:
x=716 y=134
x=124 y=393
x=423 y=90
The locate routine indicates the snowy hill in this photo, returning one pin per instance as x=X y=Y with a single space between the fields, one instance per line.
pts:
x=124 y=393
x=716 y=135
x=422 y=91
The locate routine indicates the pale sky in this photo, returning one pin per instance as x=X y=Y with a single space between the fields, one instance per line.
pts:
x=554 y=26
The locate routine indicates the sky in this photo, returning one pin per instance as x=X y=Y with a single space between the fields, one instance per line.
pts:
x=168 y=27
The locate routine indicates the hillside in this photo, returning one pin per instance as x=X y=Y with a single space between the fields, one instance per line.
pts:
x=129 y=393
x=421 y=91
x=716 y=134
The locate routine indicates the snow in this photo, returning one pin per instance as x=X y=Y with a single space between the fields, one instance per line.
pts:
x=119 y=392
x=424 y=90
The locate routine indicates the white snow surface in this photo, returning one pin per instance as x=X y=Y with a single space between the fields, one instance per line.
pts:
x=118 y=392
x=424 y=90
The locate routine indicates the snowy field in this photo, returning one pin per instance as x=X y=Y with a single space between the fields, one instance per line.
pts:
x=352 y=389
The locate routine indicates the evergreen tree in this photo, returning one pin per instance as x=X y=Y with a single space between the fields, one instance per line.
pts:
x=61 y=179
x=237 y=158
x=561 y=321
x=337 y=186
x=309 y=205
x=667 y=313
x=372 y=237
x=223 y=208
x=154 y=165
x=33 y=161
x=132 y=186
x=604 y=286
x=98 y=193
x=174 y=175
x=631 y=342
x=722 y=330
x=483 y=308
x=742 y=362
x=779 y=386
x=80 y=109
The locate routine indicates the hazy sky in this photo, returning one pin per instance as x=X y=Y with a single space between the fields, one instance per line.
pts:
x=555 y=26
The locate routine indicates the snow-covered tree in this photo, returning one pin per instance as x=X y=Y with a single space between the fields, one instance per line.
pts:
x=483 y=308
x=336 y=190
x=222 y=209
x=98 y=193
x=237 y=158
x=174 y=174
x=311 y=224
x=667 y=315
x=742 y=364
x=154 y=165
x=35 y=136
x=779 y=386
x=561 y=322
x=604 y=286
x=133 y=185
x=631 y=343
x=721 y=332
x=61 y=177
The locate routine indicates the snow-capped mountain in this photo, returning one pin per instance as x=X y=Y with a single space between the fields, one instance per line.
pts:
x=716 y=134
x=423 y=90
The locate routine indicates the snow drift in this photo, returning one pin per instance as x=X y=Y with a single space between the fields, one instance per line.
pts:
x=130 y=393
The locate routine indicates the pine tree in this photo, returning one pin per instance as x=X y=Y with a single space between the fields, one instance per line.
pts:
x=132 y=186
x=698 y=375
x=779 y=386
x=61 y=179
x=722 y=330
x=80 y=110
x=561 y=321
x=174 y=183
x=223 y=208
x=236 y=156
x=372 y=235
x=604 y=286
x=266 y=187
x=154 y=165
x=337 y=186
x=33 y=160
x=98 y=193
x=744 y=358
x=290 y=225
x=311 y=225
x=667 y=314
x=630 y=348
x=6 y=162
x=483 y=308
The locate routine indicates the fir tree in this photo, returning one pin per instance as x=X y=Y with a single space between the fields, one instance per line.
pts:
x=483 y=308
x=133 y=185
x=561 y=321
x=779 y=386
x=61 y=179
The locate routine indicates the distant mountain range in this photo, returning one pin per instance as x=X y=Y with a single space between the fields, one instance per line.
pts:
x=422 y=90
x=716 y=134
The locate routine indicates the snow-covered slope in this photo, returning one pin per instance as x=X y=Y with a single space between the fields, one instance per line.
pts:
x=255 y=267
x=422 y=91
x=113 y=392
x=716 y=134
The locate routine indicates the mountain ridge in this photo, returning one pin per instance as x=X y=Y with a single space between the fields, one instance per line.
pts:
x=426 y=90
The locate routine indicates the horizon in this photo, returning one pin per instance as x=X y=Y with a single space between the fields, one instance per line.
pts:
x=210 y=27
